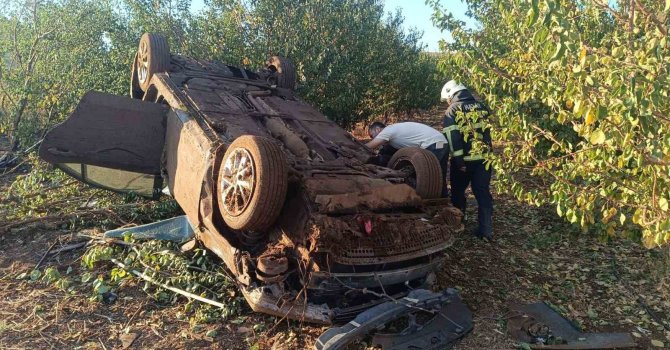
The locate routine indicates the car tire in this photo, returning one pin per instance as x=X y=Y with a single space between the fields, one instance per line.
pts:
x=153 y=56
x=135 y=89
x=285 y=71
x=427 y=174
x=252 y=183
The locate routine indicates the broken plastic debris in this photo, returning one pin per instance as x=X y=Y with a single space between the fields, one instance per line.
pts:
x=177 y=229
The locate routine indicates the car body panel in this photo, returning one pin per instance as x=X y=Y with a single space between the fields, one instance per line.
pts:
x=110 y=131
x=188 y=153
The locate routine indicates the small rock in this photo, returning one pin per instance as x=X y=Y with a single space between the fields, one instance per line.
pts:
x=109 y=297
x=127 y=340
x=243 y=330
x=657 y=343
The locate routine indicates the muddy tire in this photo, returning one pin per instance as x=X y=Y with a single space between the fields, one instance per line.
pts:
x=153 y=56
x=285 y=69
x=252 y=183
x=425 y=168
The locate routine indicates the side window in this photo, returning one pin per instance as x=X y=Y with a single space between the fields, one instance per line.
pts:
x=123 y=181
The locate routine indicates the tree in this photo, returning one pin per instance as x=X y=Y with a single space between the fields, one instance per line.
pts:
x=53 y=53
x=580 y=93
x=353 y=61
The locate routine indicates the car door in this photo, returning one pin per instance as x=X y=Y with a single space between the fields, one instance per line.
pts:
x=112 y=142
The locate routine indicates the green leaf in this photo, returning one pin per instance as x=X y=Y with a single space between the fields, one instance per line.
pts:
x=589 y=80
x=667 y=5
x=597 y=137
x=524 y=346
x=558 y=54
x=663 y=204
x=35 y=274
x=657 y=343
x=533 y=13
x=602 y=112
x=622 y=219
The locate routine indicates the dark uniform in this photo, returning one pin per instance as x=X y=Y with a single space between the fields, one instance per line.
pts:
x=475 y=173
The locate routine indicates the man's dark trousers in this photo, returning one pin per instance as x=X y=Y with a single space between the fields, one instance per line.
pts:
x=476 y=175
x=442 y=155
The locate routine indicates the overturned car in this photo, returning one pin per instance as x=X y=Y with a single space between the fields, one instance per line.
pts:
x=293 y=204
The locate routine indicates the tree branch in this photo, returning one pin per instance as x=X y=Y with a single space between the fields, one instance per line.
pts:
x=653 y=17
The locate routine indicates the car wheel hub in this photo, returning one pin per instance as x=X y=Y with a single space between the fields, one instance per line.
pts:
x=237 y=183
x=143 y=62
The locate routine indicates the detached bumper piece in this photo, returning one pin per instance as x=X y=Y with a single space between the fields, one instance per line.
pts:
x=543 y=328
x=425 y=320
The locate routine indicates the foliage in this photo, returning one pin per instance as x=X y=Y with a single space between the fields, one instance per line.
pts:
x=46 y=65
x=197 y=272
x=580 y=95
x=352 y=61
x=51 y=198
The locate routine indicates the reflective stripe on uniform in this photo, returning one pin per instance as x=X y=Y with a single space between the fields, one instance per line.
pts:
x=457 y=153
x=471 y=158
x=447 y=133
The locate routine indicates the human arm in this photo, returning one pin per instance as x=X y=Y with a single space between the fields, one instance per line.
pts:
x=375 y=143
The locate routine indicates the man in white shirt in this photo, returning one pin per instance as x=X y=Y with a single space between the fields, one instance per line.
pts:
x=410 y=134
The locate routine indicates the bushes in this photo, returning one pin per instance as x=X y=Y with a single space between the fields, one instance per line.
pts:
x=580 y=93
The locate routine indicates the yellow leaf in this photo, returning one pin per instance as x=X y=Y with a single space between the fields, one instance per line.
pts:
x=597 y=137
x=590 y=116
x=663 y=204
x=582 y=56
x=637 y=216
x=648 y=239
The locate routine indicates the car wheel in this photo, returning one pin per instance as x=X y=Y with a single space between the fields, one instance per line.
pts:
x=252 y=183
x=135 y=89
x=285 y=71
x=153 y=56
x=423 y=168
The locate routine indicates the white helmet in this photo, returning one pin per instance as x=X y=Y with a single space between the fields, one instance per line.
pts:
x=449 y=89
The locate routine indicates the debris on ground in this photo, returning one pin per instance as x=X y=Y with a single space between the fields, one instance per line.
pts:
x=431 y=321
x=542 y=327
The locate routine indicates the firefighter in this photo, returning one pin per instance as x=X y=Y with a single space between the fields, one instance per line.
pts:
x=409 y=134
x=467 y=168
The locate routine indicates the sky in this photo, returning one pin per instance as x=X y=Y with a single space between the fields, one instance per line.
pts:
x=417 y=15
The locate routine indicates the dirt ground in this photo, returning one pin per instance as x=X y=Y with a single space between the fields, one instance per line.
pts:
x=602 y=285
